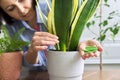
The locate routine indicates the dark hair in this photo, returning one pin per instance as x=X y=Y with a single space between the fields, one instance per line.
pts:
x=0 y=20
x=6 y=17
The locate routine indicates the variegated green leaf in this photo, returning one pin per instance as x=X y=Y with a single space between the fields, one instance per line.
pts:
x=41 y=14
x=85 y=12
x=67 y=19
x=62 y=18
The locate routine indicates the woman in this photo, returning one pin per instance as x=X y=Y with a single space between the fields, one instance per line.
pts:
x=23 y=13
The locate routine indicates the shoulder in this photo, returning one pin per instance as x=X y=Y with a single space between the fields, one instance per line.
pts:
x=17 y=24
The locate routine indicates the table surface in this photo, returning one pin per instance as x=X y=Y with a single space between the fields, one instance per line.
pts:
x=101 y=75
x=88 y=75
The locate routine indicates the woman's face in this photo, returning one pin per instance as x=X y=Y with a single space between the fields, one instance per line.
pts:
x=18 y=9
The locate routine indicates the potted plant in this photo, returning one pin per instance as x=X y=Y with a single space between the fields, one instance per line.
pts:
x=10 y=55
x=67 y=19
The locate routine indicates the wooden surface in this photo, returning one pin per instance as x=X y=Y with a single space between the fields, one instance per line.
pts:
x=36 y=75
x=88 y=75
x=102 y=75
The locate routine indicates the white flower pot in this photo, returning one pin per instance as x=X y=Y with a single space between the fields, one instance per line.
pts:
x=65 y=65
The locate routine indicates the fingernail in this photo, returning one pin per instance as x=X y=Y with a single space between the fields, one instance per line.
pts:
x=57 y=41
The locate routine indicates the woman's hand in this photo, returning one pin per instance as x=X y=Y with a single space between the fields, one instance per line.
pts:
x=83 y=45
x=41 y=40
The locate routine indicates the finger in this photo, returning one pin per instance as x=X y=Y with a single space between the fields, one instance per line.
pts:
x=82 y=46
x=49 y=39
x=81 y=53
x=98 y=45
x=46 y=34
x=85 y=56
x=45 y=38
x=44 y=43
x=97 y=53
x=37 y=48
x=40 y=40
x=91 y=54
x=99 y=48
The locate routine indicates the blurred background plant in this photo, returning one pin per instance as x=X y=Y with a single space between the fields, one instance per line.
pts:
x=108 y=26
x=11 y=44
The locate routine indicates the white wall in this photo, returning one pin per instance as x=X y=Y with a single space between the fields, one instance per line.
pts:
x=111 y=53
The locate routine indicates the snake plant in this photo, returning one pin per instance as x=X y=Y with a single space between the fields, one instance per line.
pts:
x=67 y=19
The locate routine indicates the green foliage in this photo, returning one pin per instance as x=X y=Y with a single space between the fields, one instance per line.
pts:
x=67 y=21
x=8 y=44
x=104 y=26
